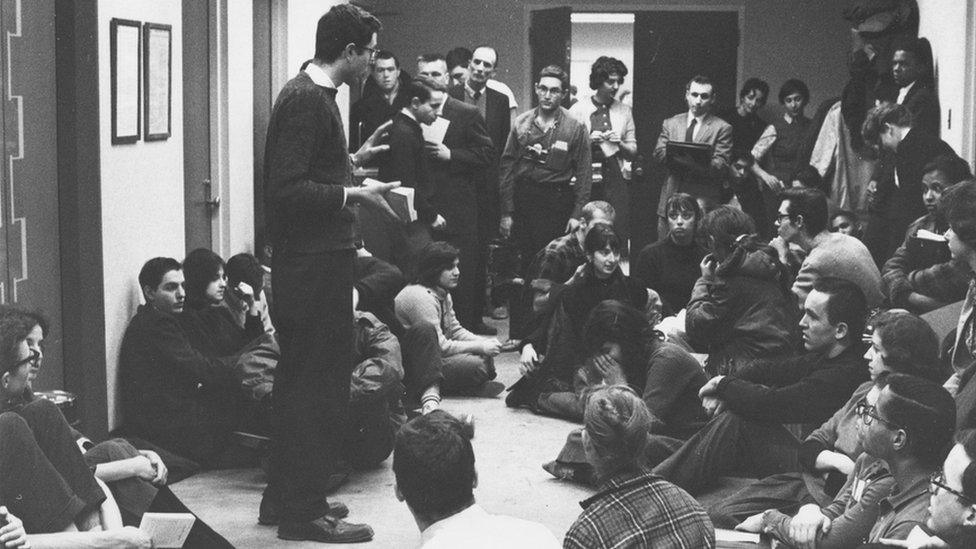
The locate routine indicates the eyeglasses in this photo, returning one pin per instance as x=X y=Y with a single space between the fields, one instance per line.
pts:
x=869 y=413
x=372 y=52
x=32 y=359
x=937 y=480
x=548 y=91
x=783 y=218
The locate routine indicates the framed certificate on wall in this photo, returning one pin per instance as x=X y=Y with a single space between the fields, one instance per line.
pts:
x=157 y=54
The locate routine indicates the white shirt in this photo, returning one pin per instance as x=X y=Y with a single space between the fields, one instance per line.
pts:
x=474 y=528
x=903 y=93
x=697 y=126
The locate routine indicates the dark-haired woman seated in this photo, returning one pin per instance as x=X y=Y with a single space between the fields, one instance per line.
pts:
x=468 y=363
x=633 y=508
x=900 y=343
x=623 y=349
x=551 y=386
x=740 y=308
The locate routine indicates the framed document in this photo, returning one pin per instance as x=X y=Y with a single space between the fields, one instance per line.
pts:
x=157 y=53
x=124 y=43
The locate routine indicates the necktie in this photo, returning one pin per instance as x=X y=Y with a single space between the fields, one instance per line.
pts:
x=690 y=133
x=477 y=95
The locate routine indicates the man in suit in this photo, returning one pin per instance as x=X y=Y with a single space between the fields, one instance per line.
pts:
x=308 y=185
x=495 y=108
x=911 y=71
x=378 y=104
x=698 y=125
x=456 y=165
x=407 y=163
x=899 y=199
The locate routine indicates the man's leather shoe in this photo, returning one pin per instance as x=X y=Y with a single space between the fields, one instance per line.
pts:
x=269 y=512
x=326 y=530
x=483 y=329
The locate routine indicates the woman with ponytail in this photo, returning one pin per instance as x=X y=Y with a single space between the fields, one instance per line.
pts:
x=633 y=507
x=740 y=308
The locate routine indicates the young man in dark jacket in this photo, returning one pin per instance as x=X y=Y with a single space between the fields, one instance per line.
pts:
x=746 y=432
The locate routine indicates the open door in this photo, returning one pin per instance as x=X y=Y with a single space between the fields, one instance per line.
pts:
x=670 y=48
x=550 y=40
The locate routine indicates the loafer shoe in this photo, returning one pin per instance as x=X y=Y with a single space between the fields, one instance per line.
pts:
x=325 y=530
x=268 y=514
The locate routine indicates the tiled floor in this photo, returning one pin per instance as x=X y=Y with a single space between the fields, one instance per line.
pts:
x=510 y=447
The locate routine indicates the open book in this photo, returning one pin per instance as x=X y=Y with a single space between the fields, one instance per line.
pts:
x=435 y=132
x=167 y=529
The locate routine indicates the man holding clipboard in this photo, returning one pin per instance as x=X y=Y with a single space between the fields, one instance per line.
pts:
x=695 y=146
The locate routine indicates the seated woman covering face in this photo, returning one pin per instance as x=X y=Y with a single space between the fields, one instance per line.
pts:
x=544 y=385
x=740 y=308
x=468 y=365
x=901 y=343
x=623 y=350
x=633 y=507
x=136 y=478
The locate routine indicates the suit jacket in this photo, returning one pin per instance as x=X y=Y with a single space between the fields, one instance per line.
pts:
x=713 y=131
x=917 y=149
x=406 y=162
x=498 y=119
x=923 y=103
x=454 y=181
x=369 y=113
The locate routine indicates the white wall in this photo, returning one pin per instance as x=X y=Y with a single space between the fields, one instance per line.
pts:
x=142 y=185
x=590 y=41
x=303 y=17
x=945 y=24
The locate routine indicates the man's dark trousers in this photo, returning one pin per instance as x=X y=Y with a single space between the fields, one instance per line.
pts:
x=313 y=313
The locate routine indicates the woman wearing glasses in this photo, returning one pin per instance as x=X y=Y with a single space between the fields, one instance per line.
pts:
x=45 y=479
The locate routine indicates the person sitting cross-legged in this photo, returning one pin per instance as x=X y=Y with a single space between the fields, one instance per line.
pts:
x=906 y=426
x=433 y=462
x=746 y=434
x=467 y=358
x=633 y=507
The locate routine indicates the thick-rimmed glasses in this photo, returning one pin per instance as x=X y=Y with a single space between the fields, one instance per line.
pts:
x=869 y=413
x=32 y=359
x=548 y=91
x=937 y=480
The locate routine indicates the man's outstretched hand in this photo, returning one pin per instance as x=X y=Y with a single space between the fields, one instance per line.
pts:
x=371 y=195
x=373 y=145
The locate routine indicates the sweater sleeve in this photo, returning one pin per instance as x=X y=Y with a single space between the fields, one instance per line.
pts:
x=669 y=372
x=825 y=436
x=506 y=170
x=810 y=398
x=415 y=304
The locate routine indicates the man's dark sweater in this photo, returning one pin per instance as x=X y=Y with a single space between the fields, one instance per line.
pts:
x=671 y=270
x=171 y=394
x=803 y=389
x=306 y=168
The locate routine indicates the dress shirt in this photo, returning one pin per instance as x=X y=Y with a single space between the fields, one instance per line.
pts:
x=475 y=528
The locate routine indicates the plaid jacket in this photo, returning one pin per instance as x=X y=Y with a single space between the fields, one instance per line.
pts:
x=640 y=510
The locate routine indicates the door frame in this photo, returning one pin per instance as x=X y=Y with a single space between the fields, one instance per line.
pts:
x=579 y=6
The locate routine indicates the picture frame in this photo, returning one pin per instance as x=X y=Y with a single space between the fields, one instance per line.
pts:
x=158 y=78
x=124 y=42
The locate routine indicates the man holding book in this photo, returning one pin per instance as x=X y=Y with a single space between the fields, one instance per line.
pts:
x=696 y=147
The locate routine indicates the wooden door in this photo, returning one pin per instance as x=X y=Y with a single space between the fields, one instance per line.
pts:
x=550 y=41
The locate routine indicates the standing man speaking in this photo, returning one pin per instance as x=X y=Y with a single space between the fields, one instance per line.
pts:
x=308 y=178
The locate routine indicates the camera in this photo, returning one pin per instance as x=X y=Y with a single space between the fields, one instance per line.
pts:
x=535 y=153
